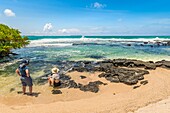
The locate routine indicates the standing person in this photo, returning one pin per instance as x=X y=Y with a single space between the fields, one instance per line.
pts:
x=25 y=77
x=54 y=78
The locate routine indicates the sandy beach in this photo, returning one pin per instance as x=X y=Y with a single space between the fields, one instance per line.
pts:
x=159 y=107
x=111 y=98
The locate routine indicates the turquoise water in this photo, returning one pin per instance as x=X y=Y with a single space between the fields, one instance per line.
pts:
x=59 y=48
x=100 y=37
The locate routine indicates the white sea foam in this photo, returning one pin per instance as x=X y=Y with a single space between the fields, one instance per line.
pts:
x=98 y=39
x=48 y=43
x=62 y=42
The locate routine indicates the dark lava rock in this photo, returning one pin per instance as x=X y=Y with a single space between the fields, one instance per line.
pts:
x=128 y=44
x=139 y=63
x=92 y=86
x=144 y=82
x=127 y=79
x=116 y=70
x=151 y=62
x=64 y=84
x=106 y=61
x=168 y=43
x=72 y=84
x=56 y=92
x=79 y=69
x=83 y=77
x=158 y=64
x=166 y=64
x=105 y=66
x=64 y=77
x=127 y=76
x=119 y=62
x=145 y=42
x=163 y=63
x=136 y=86
x=113 y=79
x=150 y=66
x=133 y=63
x=69 y=84
x=101 y=75
x=85 y=88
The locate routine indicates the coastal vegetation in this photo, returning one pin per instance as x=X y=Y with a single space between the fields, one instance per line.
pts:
x=10 y=39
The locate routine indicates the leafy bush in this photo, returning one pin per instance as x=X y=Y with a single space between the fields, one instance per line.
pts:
x=10 y=39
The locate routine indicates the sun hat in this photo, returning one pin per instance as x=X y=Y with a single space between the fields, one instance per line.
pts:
x=55 y=70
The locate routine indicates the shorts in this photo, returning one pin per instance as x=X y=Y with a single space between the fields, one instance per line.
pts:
x=57 y=84
x=26 y=81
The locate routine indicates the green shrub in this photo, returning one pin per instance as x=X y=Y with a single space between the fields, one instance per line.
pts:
x=10 y=39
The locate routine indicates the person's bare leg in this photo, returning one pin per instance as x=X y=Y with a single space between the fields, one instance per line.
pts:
x=24 y=89
x=30 y=89
x=52 y=82
x=49 y=81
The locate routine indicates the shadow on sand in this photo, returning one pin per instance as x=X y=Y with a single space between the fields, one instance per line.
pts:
x=35 y=94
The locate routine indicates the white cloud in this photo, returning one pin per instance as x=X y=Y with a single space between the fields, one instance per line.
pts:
x=68 y=31
x=97 y=5
x=9 y=12
x=48 y=27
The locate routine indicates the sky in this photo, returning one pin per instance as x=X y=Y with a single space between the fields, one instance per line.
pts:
x=87 y=17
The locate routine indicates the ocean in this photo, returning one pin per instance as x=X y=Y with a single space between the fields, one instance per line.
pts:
x=75 y=48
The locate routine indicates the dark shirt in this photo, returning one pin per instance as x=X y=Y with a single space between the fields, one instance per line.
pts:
x=22 y=70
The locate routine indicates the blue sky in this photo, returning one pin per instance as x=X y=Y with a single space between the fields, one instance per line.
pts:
x=87 y=17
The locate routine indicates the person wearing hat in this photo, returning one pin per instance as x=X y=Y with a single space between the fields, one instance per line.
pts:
x=25 y=77
x=54 y=78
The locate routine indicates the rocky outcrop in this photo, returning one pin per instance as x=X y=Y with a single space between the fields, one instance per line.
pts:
x=127 y=76
x=91 y=86
x=163 y=63
x=168 y=43
x=117 y=70
x=130 y=63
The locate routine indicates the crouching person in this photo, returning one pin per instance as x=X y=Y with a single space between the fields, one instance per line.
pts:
x=54 y=78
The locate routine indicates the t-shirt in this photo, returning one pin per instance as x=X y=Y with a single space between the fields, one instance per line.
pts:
x=55 y=76
x=22 y=71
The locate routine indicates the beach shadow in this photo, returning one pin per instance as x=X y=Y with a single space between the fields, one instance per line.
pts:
x=11 y=90
x=34 y=94
x=19 y=92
